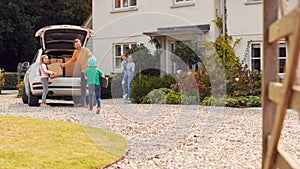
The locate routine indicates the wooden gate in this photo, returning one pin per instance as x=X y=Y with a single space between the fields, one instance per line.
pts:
x=278 y=97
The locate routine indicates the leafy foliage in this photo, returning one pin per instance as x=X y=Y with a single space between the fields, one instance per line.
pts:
x=11 y=80
x=189 y=52
x=143 y=84
x=2 y=80
x=20 y=19
x=242 y=101
x=19 y=87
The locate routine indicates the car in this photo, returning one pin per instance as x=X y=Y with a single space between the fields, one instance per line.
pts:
x=57 y=42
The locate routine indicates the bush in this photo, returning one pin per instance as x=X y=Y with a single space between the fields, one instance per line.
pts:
x=172 y=98
x=2 y=80
x=19 y=87
x=156 y=96
x=242 y=101
x=11 y=80
x=143 y=84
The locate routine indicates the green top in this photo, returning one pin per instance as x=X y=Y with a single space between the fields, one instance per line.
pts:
x=93 y=75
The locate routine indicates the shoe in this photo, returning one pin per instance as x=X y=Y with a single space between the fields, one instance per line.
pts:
x=78 y=105
x=44 y=105
x=98 y=111
x=90 y=109
x=125 y=96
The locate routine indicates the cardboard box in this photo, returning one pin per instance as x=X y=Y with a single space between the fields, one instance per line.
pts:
x=55 y=67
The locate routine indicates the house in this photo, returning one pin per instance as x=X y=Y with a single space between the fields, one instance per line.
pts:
x=120 y=24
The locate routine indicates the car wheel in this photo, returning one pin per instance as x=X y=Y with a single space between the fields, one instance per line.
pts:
x=24 y=95
x=32 y=100
x=76 y=99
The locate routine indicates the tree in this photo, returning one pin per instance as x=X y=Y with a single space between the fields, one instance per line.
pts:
x=189 y=52
x=20 y=19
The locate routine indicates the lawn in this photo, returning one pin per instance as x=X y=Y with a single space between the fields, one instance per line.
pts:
x=33 y=143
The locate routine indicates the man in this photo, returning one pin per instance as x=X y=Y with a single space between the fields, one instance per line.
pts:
x=80 y=56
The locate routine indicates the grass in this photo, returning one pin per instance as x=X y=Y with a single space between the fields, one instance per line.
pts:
x=33 y=143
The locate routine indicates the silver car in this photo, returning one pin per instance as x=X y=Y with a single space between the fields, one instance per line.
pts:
x=57 y=42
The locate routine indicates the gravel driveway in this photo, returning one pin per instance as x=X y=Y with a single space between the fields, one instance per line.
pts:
x=173 y=136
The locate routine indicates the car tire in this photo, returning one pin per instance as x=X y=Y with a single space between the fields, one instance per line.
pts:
x=76 y=99
x=32 y=100
x=24 y=95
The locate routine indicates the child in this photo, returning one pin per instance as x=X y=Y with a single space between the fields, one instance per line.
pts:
x=125 y=77
x=45 y=78
x=130 y=66
x=92 y=74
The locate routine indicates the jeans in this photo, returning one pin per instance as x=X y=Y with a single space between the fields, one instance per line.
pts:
x=94 y=90
x=45 y=88
x=83 y=89
x=129 y=81
x=124 y=83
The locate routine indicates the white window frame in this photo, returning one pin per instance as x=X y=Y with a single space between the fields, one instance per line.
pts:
x=122 y=7
x=116 y=57
x=249 y=2
x=280 y=44
x=183 y=3
x=261 y=55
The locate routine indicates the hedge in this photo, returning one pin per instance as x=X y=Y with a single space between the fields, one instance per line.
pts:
x=11 y=80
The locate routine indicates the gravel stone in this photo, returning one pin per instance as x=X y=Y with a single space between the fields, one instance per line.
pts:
x=173 y=136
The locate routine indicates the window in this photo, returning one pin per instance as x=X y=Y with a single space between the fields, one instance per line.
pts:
x=119 y=50
x=119 y=4
x=182 y=3
x=282 y=57
x=256 y=57
x=253 y=1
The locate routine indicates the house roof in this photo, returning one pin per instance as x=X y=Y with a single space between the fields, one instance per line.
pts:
x=178 y=30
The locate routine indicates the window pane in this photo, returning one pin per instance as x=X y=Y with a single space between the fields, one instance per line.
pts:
x=281 y=65
x=117 y=3
x=118 y=49
x=125 y=3
x=125 y=48
x=118 y=63
x=282 y=50
x=255 y=64
x=133 y=3
x=255 y=51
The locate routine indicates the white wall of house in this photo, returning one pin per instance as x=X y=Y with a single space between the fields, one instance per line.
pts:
x=245 y=21
x=113 y=26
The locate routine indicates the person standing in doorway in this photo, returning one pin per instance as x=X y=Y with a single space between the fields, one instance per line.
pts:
x=81 y=56
x=130 y=66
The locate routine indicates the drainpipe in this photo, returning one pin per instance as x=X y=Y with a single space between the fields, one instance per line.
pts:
x=223 y=18
x=223 y=23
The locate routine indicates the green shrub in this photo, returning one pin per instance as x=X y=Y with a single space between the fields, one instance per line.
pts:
x=242 y=101
x=19 y=87
x=172 y=98
x=2 y=79
x=156 y=96
x=143 y=84
x=11 y=80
